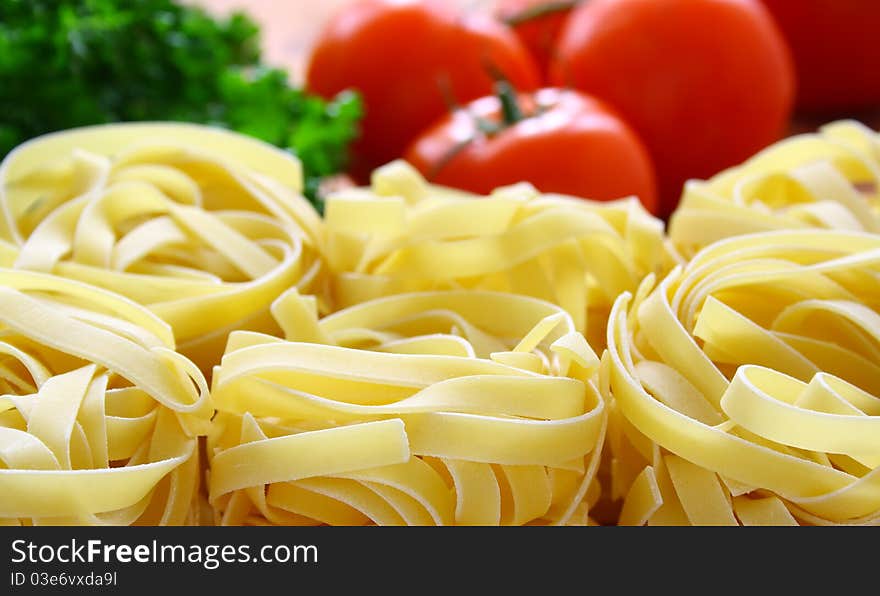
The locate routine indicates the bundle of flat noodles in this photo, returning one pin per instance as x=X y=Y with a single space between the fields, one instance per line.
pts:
x=458 y=407
x=98 y=414
x=203 y=226
x=828 y=180
x=404 y=235
x=746 y=386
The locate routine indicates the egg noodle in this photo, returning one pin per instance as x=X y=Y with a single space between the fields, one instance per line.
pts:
x=460 y=407
x=829 y=180
x=404 y=235
x=746 y=385
x=98 y=413
x=421 y=357
x=184 y=219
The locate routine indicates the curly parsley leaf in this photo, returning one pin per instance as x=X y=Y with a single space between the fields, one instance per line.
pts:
x=67 y=63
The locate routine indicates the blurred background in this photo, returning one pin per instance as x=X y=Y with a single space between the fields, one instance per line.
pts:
x=291 y=26
x=693 y=86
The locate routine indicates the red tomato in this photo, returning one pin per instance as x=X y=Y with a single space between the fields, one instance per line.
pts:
x=560 y=141
x=409 y=59
x=836 y=47
x=538 y=23
x=705 y=83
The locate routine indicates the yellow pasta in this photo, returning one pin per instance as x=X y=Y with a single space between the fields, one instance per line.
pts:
x=404 y=235
x=828 y=180
x=745 y=386
x=204 y=227
x=455 y=407
x=99 y=416
x=456 y=381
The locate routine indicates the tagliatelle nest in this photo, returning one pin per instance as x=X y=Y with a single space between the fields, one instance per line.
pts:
x=404 y=235
x=204 y=227
x=98 y=413
x=745 y=387
x=459 y=407
x=827 y=180
x=456 y=381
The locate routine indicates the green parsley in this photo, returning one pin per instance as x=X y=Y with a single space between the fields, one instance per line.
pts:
x=67 y=63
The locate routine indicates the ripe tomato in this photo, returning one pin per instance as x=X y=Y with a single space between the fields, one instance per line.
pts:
x=705 y=83
x=836 y=47
x=409 y=59
x=538 y=23
x=560 y=141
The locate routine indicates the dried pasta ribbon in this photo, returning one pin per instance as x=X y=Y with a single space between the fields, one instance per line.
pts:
x=98 y=414
x=828 y=180
x=746 y=385
x=404 y=235
x=453 y=407
x=204 y=227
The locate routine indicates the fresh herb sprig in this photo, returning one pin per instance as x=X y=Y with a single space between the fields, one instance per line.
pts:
x=67 y=63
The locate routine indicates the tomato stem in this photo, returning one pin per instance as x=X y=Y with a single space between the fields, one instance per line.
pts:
x=510 y=109
x=541 y=10
x=444 y=85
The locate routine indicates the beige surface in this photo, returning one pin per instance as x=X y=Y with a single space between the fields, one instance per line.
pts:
x=290 y=26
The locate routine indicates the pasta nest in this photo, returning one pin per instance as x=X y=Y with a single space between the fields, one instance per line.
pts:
x=745 y=387
x=98 y=413
x=828 y=180
x=404 y=235
x=458 y=407
x=204 y=227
